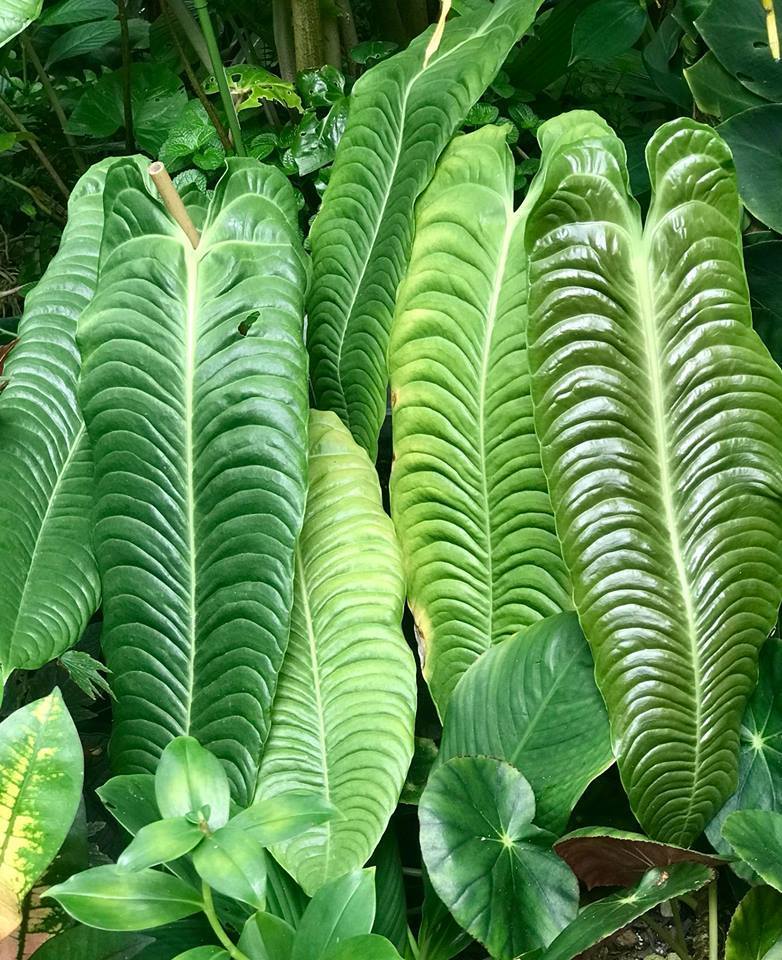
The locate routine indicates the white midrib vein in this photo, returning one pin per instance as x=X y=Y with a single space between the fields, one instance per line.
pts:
x=312 y=646
x=191 y=331
x=652 y=348
x=512 y=221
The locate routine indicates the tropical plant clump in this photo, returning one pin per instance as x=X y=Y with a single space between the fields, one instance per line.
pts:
x=390 y=480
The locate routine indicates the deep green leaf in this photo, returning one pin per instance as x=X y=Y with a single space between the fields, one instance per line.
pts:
x=192 y=139
x=322 y=87
x=42 y=771
x=15 y=15
x=85 y=943
x=735 y=30
x=83 y=39
x=756 y=836
x=756 y=927
x=200 y=454
x=189 y=779
x=716 y=91
x=493 y=869
x=284 y=816
x=341 y=909
x=160 y=842
x=666 y=501
x=284 y=896
x=755 y=139
x=130 y=799
x=468 y=494
x=114 y=899
x=234 y=864
x=266 y=937
x=344 y=713
x=50 y=583
x=403 y=112
x=68 y=12
x=607 y=28
x=368 y=947
x=391 y=914
x=533 y=701
x=760 y=752
x=440 y=936
x=605 y=857
x=373 y=51
x=600 y=919
x=763 y=263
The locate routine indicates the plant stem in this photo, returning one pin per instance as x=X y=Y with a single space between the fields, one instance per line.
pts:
x=198 y=90
x=677 y=920
x=307 y=34
x=659 y=931
x=332 y=50
x=39 y=198
x=714 y=928
x=217 y=927
x=127 y=98
x=222 y=83
x=191 y=31
x=54 y=100
x=33 y=144
x=347 y=30
x=283 y=39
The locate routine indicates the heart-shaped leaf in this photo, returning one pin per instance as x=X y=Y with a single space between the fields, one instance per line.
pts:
x=532 y=700
x=756 y=927
x=491 y=866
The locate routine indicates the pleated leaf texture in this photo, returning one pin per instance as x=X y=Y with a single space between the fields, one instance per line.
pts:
x=403 y=113
x=194 y=392
x=468 y=494
x=50 y=585
x=658 y=410
x=345 y=709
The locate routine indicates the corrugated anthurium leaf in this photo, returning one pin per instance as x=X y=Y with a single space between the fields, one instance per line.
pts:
x=50 y=583
x=195 y=397
x=658 y=412
x=403 y=112
x=42 y=769
x=345 y=708
x=468 y=493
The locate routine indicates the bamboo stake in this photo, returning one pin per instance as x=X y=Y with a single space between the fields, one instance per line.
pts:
x=173 y=202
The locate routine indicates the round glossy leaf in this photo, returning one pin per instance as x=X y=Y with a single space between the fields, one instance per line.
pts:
x=755 y=139
x=717 y=92
x=493 y=869
x=756 y=927
x=756 y=836
x=600 y=919
x=532 y=700
x=114 y=899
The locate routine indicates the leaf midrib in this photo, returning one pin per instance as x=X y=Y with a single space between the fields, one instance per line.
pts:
x=191 y=319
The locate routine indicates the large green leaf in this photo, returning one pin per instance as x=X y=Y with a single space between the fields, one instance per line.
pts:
x=15 y=15
x=756 y=836
x=86 y=943
x=756 y=927
x=50 y=583
x=341 y=909
x=755 y=138
x=345 y=708
x=42 y=768
x=194 y=393
x=533 y=701
x=403 y=112
x=600 y=919
x=760 y=752
x=491 y=866
x=658 y=407
x=468 y=494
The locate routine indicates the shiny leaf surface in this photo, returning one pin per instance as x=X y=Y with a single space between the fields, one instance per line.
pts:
x=160 y=842
x=756 y=927
x=189 y=779
x=283 y=816
x=341 y=909
x=233 y=864
x=15 y=16
x=756 y=836
x=266 y=937
x=657 y=408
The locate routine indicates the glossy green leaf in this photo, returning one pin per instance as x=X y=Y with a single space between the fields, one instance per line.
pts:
x=391 y=914
x=763 y=263
x=605 y=857
x=114 y=899
x=756 y=836
x=341 y=909
x=345 y=708
x=42 y=770
x=160 y=842
x=15 y=15
x=266 y=937
x=204 y=953
x=283 y=816
x=192 y=139
x=468 y=494
x=83 y=39
x=716 y=91
x=760 y=752
x=533 y=701
x=50 y=582
x=490 y=865
x=68 y=12
x=403 y=112
x=755 y=139
x=440 y=936
x=252 y=86
x=86 y=943
x=130 y=799
x=600 y=919
x=189 y=779
x=735 y=30
x=607 y=28
x=199 y=439
x=369 y=947
x=756 y=927
x=657 y=408
x=233 y=864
